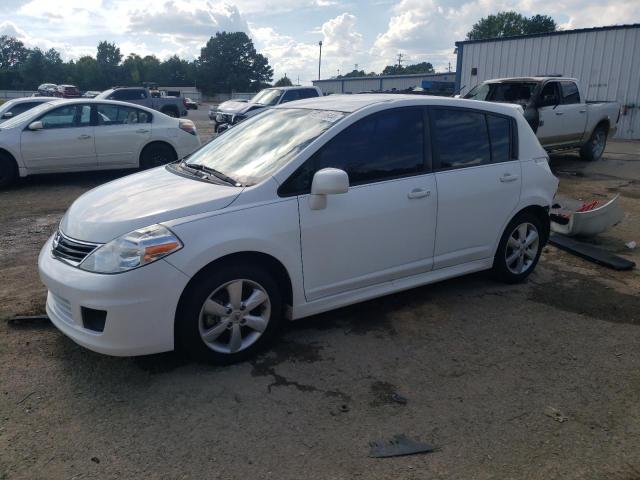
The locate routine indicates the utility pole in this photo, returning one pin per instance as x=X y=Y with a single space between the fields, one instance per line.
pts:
x=338 y=72
x=319 y=58
x=449 y=67
x=298 y=82
x=400 y=60
x=356 y=67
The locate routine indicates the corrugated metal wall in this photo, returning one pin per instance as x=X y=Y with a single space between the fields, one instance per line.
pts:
x=606 y=62
x=364 y=84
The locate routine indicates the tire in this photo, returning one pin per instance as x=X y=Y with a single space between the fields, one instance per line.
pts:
x=514 y=261
x=8 y=170
x=155 y=155
x=171 y=112
x=594 y=148
x=208 y=306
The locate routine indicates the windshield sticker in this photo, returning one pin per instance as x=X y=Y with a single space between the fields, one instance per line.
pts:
x=327 y=116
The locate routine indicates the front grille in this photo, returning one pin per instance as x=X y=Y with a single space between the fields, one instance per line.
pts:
x=223 y=118
x=70 y=250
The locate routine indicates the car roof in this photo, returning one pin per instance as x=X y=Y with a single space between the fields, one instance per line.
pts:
x=59 y=101
x=296 y=87
x=529 y=79
x=350 y=103
x=31 y=99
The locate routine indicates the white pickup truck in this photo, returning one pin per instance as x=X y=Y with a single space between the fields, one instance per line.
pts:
x=557 y=112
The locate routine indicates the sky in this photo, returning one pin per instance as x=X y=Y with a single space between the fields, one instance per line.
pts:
x=367 y=33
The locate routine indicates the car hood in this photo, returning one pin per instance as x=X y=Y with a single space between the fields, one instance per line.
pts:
x=233 y=106
x=140 y=200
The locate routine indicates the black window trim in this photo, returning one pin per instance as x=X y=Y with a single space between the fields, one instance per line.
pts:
x=427 y=155
x=513 y=137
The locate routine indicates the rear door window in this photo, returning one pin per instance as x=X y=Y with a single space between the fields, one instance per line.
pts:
x=121 y=115
x=460 y=138
x=500 y=136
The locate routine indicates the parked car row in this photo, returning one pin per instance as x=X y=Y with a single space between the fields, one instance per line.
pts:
x=89 y=134
x=305 y=207
x=60 y=91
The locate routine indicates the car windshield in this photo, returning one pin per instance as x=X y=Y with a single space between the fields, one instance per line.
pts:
x=513 y=92
x=267 y=97
x=18 y=118
x=254 y=149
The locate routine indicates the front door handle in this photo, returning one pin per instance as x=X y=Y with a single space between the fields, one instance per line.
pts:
x=559 y=113
x=84 y=137
x=142 y=130
x=419 y=193
x=507 y=177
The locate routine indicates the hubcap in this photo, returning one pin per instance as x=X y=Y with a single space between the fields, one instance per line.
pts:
x=234 y=316
x=522 y=248
x=598 y=143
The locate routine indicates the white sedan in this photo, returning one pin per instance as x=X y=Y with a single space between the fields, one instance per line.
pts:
x=307 y=207
x=85 y=134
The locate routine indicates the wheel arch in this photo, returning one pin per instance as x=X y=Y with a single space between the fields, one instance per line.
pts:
x=173 y=108
x=11 y=157
x=269 y=262
x=542 y=213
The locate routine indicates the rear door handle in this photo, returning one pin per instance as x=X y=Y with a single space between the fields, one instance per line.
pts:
x=84 y=137
x=507 y=177
x=142 y=130
x=419 y=193
x=583 y=111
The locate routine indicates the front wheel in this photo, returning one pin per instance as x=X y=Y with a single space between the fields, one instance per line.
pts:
x=228 y=314
x=519 y=249
x=171 y=113
x=594 y=148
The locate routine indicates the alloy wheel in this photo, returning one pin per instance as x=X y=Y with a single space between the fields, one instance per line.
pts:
x=522 y=248
x=234 y=316
x=598 y=143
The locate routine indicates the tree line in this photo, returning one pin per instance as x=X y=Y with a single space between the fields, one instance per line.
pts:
x=228 y=62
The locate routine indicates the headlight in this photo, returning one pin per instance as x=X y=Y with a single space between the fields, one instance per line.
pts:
x=133 y=250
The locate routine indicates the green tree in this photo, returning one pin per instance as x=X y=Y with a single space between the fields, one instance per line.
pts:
x=12 y=52
x=508 y=24
x=33 y=70
x=85 y=73
x=229 y=62
x=108 y=60
x=175 y=71
x=283 y=82
x=422 y=67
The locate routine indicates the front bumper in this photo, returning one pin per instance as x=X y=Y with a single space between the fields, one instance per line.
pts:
x=140 y=305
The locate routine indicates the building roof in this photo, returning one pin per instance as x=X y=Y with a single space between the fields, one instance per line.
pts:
x=378 y=77
x=547 y=34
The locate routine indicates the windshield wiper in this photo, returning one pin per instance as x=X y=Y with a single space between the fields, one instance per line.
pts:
x=212 y=171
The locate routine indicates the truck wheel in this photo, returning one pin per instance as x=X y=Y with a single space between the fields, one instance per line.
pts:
x=519 y=249
x=8 y=170
x=155 y=155
x=170 y=112
x=594 y=148
x=229 y=314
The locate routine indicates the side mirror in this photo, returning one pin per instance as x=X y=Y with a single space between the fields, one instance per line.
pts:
x=36 y=125
x=328 y=181
x=7 y=115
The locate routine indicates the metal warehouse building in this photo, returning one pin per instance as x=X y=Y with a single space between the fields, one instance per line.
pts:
x=605 y=60
x=429 y=81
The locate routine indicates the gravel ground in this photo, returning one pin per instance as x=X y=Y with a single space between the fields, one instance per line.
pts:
x=482 y=366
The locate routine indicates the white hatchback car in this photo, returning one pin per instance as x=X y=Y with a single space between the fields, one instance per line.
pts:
x=87 y=134
x=301 y=209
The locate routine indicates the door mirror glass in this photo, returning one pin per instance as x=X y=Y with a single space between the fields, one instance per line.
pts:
x=328 y=181
x=36 y=125
x=7 y=115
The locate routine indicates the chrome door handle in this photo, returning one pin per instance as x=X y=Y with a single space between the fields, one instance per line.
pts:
x=84 y=137
x=142 y=130
x=419 y=193
x=507 y=177
x=583 y=111
x=559 y=113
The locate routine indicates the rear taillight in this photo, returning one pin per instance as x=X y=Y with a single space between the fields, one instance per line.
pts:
x=188 y=126
x=184 y=102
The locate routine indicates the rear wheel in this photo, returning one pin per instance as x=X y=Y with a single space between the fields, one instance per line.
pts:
x=519 y=249
x=594 y=148
x=8 y=170
x=171 y=112
x=155 y=155
x=228 y=314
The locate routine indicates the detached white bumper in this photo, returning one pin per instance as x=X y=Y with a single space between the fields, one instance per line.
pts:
x=140 y=305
